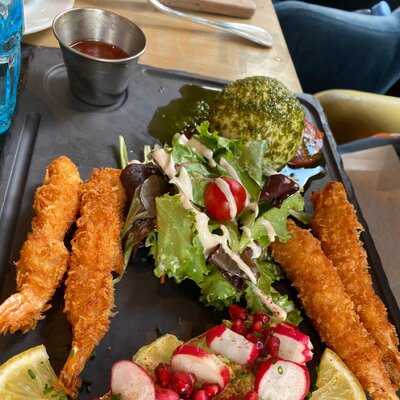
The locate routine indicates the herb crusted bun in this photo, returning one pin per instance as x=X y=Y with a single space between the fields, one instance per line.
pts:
x=260 y=108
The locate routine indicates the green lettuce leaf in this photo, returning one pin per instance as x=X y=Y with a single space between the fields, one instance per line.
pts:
x=199 y=184
x=251 y=158
x=215 y=142
x=179 y=253
x=249 y=183
x=293 y=205
x=269 y=273
x=246 y=157
x=216 y=291
x=184 y=154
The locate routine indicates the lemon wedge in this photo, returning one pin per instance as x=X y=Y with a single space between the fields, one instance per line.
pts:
x=29 y=375
x=335 y=381
x=159 y=351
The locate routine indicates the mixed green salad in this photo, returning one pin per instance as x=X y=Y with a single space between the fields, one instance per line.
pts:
x=208 y=207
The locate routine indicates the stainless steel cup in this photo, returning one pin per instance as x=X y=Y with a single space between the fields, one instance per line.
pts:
x=94 y=80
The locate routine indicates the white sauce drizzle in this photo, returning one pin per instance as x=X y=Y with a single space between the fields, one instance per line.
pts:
x=235 y=257
x=255 y=248
x=278 y=311
x=183 y=140
x=165 y=162
x=233 y=174
x=253 y=207
x=210 y=240
x=203 y=150
x=229 y=169
x=269 y=228
x=226 y=190
x=184 y=184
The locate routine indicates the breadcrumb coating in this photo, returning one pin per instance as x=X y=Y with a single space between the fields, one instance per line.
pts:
x=336 y=225
x=96 y=252
x=43 y=258
x=333 y=313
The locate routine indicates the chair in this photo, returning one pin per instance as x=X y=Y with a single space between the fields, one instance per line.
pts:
x=333 y=48
x=355 y=116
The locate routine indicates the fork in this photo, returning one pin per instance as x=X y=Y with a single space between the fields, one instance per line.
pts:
x=252 y=33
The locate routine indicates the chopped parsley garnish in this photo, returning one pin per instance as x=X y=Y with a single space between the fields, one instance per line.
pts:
x=31 y=374
x=280 y=370
x=52 y=393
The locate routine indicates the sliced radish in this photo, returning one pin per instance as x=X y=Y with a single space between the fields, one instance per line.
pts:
x=131 y=382
x=282 y=380
x=206 y=367
x=294 y=345
x=231 y=345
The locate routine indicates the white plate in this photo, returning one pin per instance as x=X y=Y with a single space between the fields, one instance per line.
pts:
x=39 y=14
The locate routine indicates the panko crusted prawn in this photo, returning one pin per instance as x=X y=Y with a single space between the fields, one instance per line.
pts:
x=43 y=258
x=333 y=313
x=335 y=223
x=96 y=252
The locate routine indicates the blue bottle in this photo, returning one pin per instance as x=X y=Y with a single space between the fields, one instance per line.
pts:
x=11 y=29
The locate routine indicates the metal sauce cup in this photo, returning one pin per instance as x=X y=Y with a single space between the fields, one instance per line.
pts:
x=98 y=81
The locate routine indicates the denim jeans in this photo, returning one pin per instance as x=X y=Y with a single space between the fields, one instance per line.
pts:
x=337 y=49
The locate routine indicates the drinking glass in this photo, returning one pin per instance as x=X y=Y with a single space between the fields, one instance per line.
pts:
x=11 y=29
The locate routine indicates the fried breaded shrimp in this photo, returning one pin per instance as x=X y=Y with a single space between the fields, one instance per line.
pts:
x=327 y=303
x=43 y=258
x=89 y=295
x=335 y=223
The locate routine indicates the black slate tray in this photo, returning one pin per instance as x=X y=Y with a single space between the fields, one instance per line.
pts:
x=50 y=122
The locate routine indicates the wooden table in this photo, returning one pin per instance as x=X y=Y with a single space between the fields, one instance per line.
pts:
x=375 y=174
x=179 y=45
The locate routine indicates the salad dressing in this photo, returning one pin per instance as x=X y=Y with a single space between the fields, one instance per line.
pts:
x=226 y=190
x=235 y=257
x=165 y=162
x=203 y=150
x=278 y=311
x=184 y=184
x=183 y=140
x=209 y=240
x=255 y=248
x=269 y=228
x=230 y=170
x=233 y=174
x=253 y=206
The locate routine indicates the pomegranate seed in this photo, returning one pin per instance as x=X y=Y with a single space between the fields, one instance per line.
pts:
x=182 y=383
x=163 y=374
x=260 y=345
x=266 y=332
x=200 y=395
x=264 y=318
x=251 y=396
x=238 y=326
x=211 y=389
x=166 y=394
x=252 y=337
x=272 y=346
x=237 y=312
x=256 y=326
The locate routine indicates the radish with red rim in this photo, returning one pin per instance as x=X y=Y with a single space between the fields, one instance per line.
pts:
x=131 y=382
x=205 y=366
x=282 y=380
x=294 y=345
x=231 y=345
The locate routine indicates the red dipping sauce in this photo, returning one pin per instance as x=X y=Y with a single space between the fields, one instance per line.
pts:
x=99 y=49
